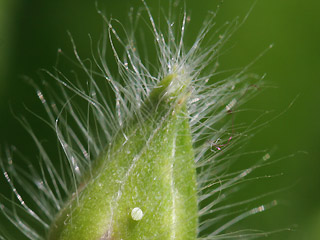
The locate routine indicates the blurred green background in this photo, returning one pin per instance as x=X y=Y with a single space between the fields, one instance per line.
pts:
x=32 y=31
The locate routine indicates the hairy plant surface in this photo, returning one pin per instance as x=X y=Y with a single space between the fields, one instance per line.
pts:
x=152 y=166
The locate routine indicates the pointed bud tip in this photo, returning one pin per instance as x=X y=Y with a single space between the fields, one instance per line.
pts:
x=171 y=87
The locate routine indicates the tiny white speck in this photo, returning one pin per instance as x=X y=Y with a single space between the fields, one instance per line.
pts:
x=231 y=104
x=136 y=214
x=266 y=157
x=43 y=100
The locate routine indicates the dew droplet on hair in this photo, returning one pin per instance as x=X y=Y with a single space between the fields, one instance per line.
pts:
x=40 y=95
x=266 y=157
x=231 y=105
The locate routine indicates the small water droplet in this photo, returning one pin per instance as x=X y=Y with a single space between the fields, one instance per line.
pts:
x=266 y=157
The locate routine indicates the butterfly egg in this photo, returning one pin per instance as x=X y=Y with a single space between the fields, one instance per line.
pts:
x=136 y=214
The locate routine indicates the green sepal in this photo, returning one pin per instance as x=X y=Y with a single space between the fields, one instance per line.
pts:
x=150 y=166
